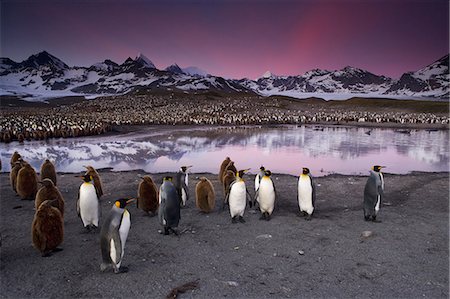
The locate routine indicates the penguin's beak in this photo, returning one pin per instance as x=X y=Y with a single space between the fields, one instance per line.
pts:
x=383 y=166
x=246 y=170
x=131 y=200
x=187 y=167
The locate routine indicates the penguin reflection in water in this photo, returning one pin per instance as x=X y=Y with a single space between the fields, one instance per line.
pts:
x=237 y=197
x=373 y=193
x=306 y=193
x=113 y=236
x=169 y=206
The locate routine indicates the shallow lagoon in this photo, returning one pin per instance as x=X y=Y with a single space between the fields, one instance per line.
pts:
x=282 y=149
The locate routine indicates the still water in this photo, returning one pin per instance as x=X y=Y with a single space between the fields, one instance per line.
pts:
x=282 y=149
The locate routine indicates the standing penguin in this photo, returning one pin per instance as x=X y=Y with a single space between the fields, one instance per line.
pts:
x=49 y=192
x=113 y=236
x=182 y=184
x=237 y=197
x=266 y=196
x=373 y=193
x=47 y=229
x=88 y=207
x=15 y=156
x=258 y=177
x=169 y=206
x=26 y=184
x=231 y=167
x=48 y=171
x=96 y=178
x=13 y=174
x=147 y=195
x=205 y=198
x=228 y=178
x=222 y=168
x=306 y=193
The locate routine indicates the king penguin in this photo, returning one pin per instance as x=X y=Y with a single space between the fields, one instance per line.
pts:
x=237 y=197
x=373 y=193
x=96 y=179
x=147 y=195
x=48 y=171
x=47 y=229
x=169 y=206
x=205 y=198
x=182 y=184
x=266 y=196
x=26 y=184
x=222 y=168
x=49 y=192
x=13 y=174
x=228 y=178
x=113 y=236
x=306 y=193
x=258 y=177
x=88 y=208
x=15 y=156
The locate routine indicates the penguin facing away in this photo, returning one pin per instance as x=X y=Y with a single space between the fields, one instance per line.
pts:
x=205 y=198
x=147 y=195
x=49 y=192
x=182 y=184
x=88 y=207
x=26 y=184
x=259 y=176
x=231 y=167
x=47 y=229
x=14 y=158
x=306 y=194
x=373 y=193
x=96 y=179
x=48 y=171
x=228 y=178
x=266 y=196
x=113 y=236
x=237 y=197
x=222 y=169
x=13 y=174
x=169 y=206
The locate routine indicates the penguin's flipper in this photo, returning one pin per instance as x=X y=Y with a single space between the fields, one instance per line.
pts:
x=313 y=186
x=78 y=205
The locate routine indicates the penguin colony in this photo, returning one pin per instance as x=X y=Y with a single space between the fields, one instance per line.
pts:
x=98 y=117
x=47 y=228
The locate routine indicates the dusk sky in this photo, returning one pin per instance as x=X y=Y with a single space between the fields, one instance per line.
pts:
x=233 y=38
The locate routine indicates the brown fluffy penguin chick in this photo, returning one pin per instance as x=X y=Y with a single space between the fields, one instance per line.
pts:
x=205 y=198
x=228 y=178
x=16 y=156
x=222 y=168
x=148 y=200
x=231 y=167
x=47 y=230
x=48 y=171
x=97 y=181
x=49 y=192
x=13 y=174
x=26 y=184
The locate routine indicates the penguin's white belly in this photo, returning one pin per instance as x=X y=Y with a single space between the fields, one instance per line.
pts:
x=305 y=195
x=257 y=183
x=183 y=196
x=237 y=199
x=266 y=196
x=88 y=204
x=377 y=206
x=123 y=234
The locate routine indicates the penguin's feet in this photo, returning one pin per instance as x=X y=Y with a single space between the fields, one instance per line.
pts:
x=234 y=220
x=241 y=219
x=309 y=217
x=120 y=270
x=263 y=217
x=57 y=249
x=174 y=231
x=367 y=218
x=268 y=217
x=166 y=231
x=46 y=253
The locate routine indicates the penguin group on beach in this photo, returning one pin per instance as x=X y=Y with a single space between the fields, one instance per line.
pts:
x=166 y=201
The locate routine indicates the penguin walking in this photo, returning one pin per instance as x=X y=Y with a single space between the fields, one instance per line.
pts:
x=147 y=199
x=258 y=177
x=96 y=179
x=13 y=174
x=49 y=192
x=237 y=197
x=373 y=193
x=47 y=229
x=182 y=184
x=169 y=206
x=306 y=193
x=26 y=184
x=228 y=178
x=266 y=196
x=88 y=207
x=113 y=236
x=205 y=198
x=222 y=169
x=48 y=171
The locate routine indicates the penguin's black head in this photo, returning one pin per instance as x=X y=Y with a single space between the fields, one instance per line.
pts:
x=167 y=178
x=267 y=173
x=262 y=168
x=87 y=178
x=122 y=202
x=377 y=168
x=241 y=173
x=305 y=170
x=185 y=168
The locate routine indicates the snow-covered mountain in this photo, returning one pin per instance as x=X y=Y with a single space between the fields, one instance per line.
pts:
x=43 y=75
